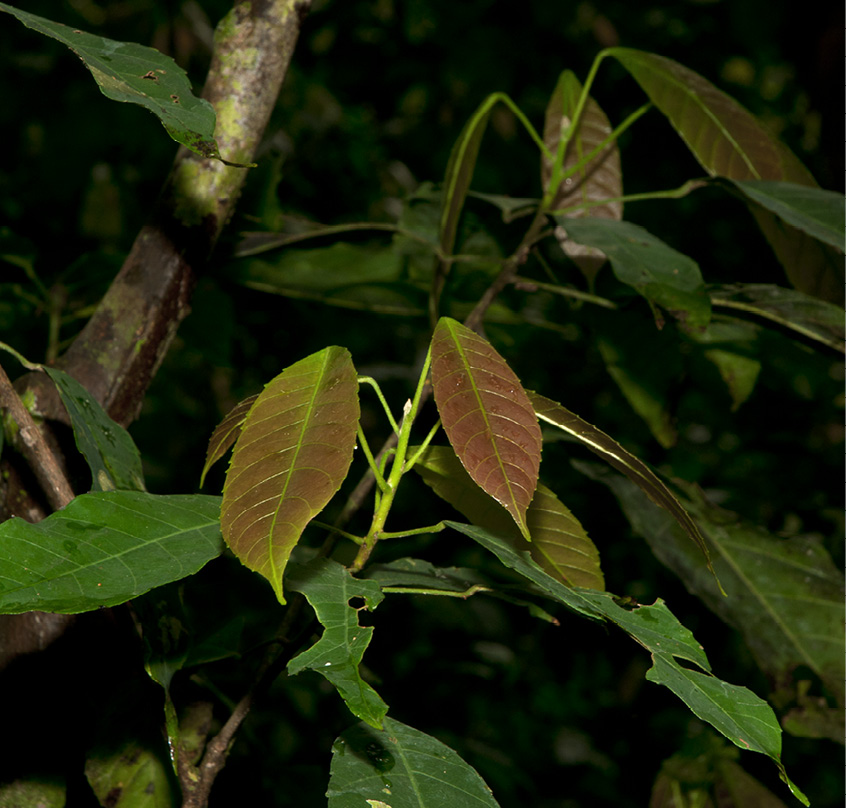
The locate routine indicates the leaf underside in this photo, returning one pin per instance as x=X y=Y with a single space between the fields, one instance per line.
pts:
x=226 y=433
x=560 y=545
x=487 y=417
x=601 y=178
x=294 y=451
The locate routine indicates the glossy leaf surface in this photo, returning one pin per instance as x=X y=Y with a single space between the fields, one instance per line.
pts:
x=226 y=433
x=816 y=212
x=294 y=451
x=401 y=767
x=730 y=142
x=108 y=448
x=132 y=73
x=739 y=714
x=553 y=413
x=104 y=549
x=785 y=596
x=600 y=179
x=559 y=543
x=801 y=313
x=329 y=587
x=130 y=776
x=487 y=417
x=658 y=272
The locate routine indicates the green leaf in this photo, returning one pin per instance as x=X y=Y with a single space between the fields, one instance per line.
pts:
x=806 y=315
x=597 y=180
x=739 y=372
x=226 y=433
x=745 y=719
x=559 y=543
x=551 y=412
x=292 y=455
x=111 y=453
x=346 y=275
x=729 y=142
x=130 y=776
x=104 y=549
x=512 y=207
x=816 y=212
x=329 y=587
x=487 y=417
x=662 y=275
x=785 y=596
x=132 y=73
x=401 y=767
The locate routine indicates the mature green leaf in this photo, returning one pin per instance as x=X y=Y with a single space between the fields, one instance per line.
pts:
x=226 y=433
x=600 y=179
x=294 y=451
x=784 y=595
x=512 y=207
x=729 y=142
x=33 y=794
x=401 y=767
x=816 y=212
x=345 y=275
x=739 y=714
x=806 y=315
x=658 y=272
x=111 y=453
x=131 y=776
x=739 y=372
x=133 y=73
x=329 y=587
x=559 y=543
x=104 y=549
x=551 y=412
x=487 y=417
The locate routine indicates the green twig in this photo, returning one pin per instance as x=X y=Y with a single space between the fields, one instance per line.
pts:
x=672 y=193
x=416 y=531
x=375 y=385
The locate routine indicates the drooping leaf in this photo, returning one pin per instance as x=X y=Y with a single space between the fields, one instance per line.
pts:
x=111 y=453
x=599 y=179
x=487 y=417
x=104 y=549
x=126 y=71
x=553 y=413
x=559 y=543
x=729 y=142
x=663 y=276
x=816 y=212
x=294 y=451
x=401 y=767
x=806 y=315
x=226 y=433
x=329 y=587
x=129 y=776
x=346 y=275
x=746 y=720
x=785 y=596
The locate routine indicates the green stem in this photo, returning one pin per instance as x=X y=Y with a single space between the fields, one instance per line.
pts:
x=407 y=590
x=423 y=446
x=565 y=291
x=672 y=193
x=23 y=360
x=375 y=385
x=415 y=531
x=362 y=441
x=333 y=529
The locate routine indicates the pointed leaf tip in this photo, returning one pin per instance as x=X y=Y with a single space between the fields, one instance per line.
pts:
x=487 y=417
x=294 y=451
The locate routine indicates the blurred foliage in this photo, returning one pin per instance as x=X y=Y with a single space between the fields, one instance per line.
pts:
x=378 y=91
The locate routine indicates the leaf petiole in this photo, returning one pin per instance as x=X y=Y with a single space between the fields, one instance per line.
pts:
x=375 y=385
x=371 y=461
x=417 y=531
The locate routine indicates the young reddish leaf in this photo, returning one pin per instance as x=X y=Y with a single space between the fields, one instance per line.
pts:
x=600 y=179
x=609 y=450
x=487 y=417
x=729 y=142
x=226 y=434
x=295 y=449
x=560 y=545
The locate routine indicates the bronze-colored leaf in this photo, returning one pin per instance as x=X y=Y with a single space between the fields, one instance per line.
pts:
x=226 y=433
x=560 y=545
x=601 y=178
x=294 y=451
x=609 y=450
x=487 y=417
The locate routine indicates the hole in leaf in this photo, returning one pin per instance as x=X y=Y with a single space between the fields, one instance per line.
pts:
x=357 y=603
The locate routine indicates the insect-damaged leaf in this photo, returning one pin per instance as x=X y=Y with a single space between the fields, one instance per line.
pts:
x=487 y=417
x=608 y=449
x=226 y=434
x=560 y=545
x=729 y=142
x=295 y=449
x=599 y=179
